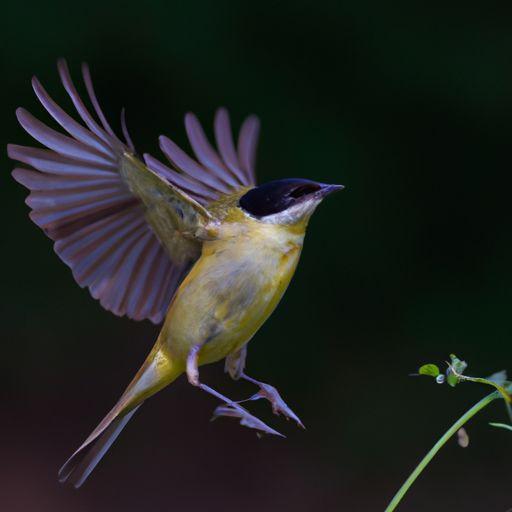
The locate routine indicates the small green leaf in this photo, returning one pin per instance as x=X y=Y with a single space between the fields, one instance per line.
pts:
x=501 y=425
x=429 y=369
x=452 y=379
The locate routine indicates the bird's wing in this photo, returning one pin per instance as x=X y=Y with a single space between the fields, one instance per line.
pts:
x=214 y=173
x=128 y=231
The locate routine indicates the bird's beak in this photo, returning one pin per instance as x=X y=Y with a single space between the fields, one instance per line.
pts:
x=326 y=189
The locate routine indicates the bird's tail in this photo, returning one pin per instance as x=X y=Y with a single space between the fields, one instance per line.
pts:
x=157 y=372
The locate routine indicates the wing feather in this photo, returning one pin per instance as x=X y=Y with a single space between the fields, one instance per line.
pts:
x=128 y=231
x=74 y=128
x=247 y=145
x=50 y=162
x=59 y=143
x=103 y=208
x=224 y=139
x=219 y=172
x=206 y=154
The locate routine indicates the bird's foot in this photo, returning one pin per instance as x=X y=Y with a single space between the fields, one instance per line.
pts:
x=279 y=406
x=233 y=410
x=230 y=409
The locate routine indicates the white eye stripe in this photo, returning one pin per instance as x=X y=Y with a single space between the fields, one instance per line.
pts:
x=293 y=213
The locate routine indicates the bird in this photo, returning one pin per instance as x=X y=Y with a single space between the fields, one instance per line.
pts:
x=194 y=244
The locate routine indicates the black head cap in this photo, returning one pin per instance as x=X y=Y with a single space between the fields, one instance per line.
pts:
x=279 y=195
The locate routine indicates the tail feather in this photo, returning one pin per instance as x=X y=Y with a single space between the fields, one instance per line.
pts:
x=80 y=465
x=157 y=372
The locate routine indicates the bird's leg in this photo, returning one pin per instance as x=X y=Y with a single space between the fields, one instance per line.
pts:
x=230 y=409
x=235 y=365
x=192 y=366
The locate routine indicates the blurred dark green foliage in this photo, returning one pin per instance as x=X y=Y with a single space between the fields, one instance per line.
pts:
x=409 y=105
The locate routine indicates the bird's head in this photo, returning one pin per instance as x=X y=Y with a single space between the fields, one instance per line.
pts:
x=286 y=201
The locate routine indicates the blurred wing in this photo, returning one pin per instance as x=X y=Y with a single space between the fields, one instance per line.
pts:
x=126 y=232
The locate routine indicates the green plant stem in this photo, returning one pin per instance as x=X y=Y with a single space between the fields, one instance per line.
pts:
x=509 y=411
x=432 y=453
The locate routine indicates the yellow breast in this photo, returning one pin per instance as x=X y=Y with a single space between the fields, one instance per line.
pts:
x=232 y=289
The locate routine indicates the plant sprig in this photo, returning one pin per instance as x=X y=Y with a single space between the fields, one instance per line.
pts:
x=454 y=375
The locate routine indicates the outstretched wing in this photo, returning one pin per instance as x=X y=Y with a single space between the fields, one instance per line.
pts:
x=213 y=173
x=127 y=232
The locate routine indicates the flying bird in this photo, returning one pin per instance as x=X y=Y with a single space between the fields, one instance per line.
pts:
x=194 y=243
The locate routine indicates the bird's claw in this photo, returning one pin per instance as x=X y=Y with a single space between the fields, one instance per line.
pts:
x=233 y=410
x=279 y=406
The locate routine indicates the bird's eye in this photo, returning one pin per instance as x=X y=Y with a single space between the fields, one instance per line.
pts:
x=304 y=190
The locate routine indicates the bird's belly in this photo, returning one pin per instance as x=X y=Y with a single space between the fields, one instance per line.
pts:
x=226 y=298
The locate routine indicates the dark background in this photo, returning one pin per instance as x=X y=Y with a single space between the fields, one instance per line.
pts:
x=410 y=106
